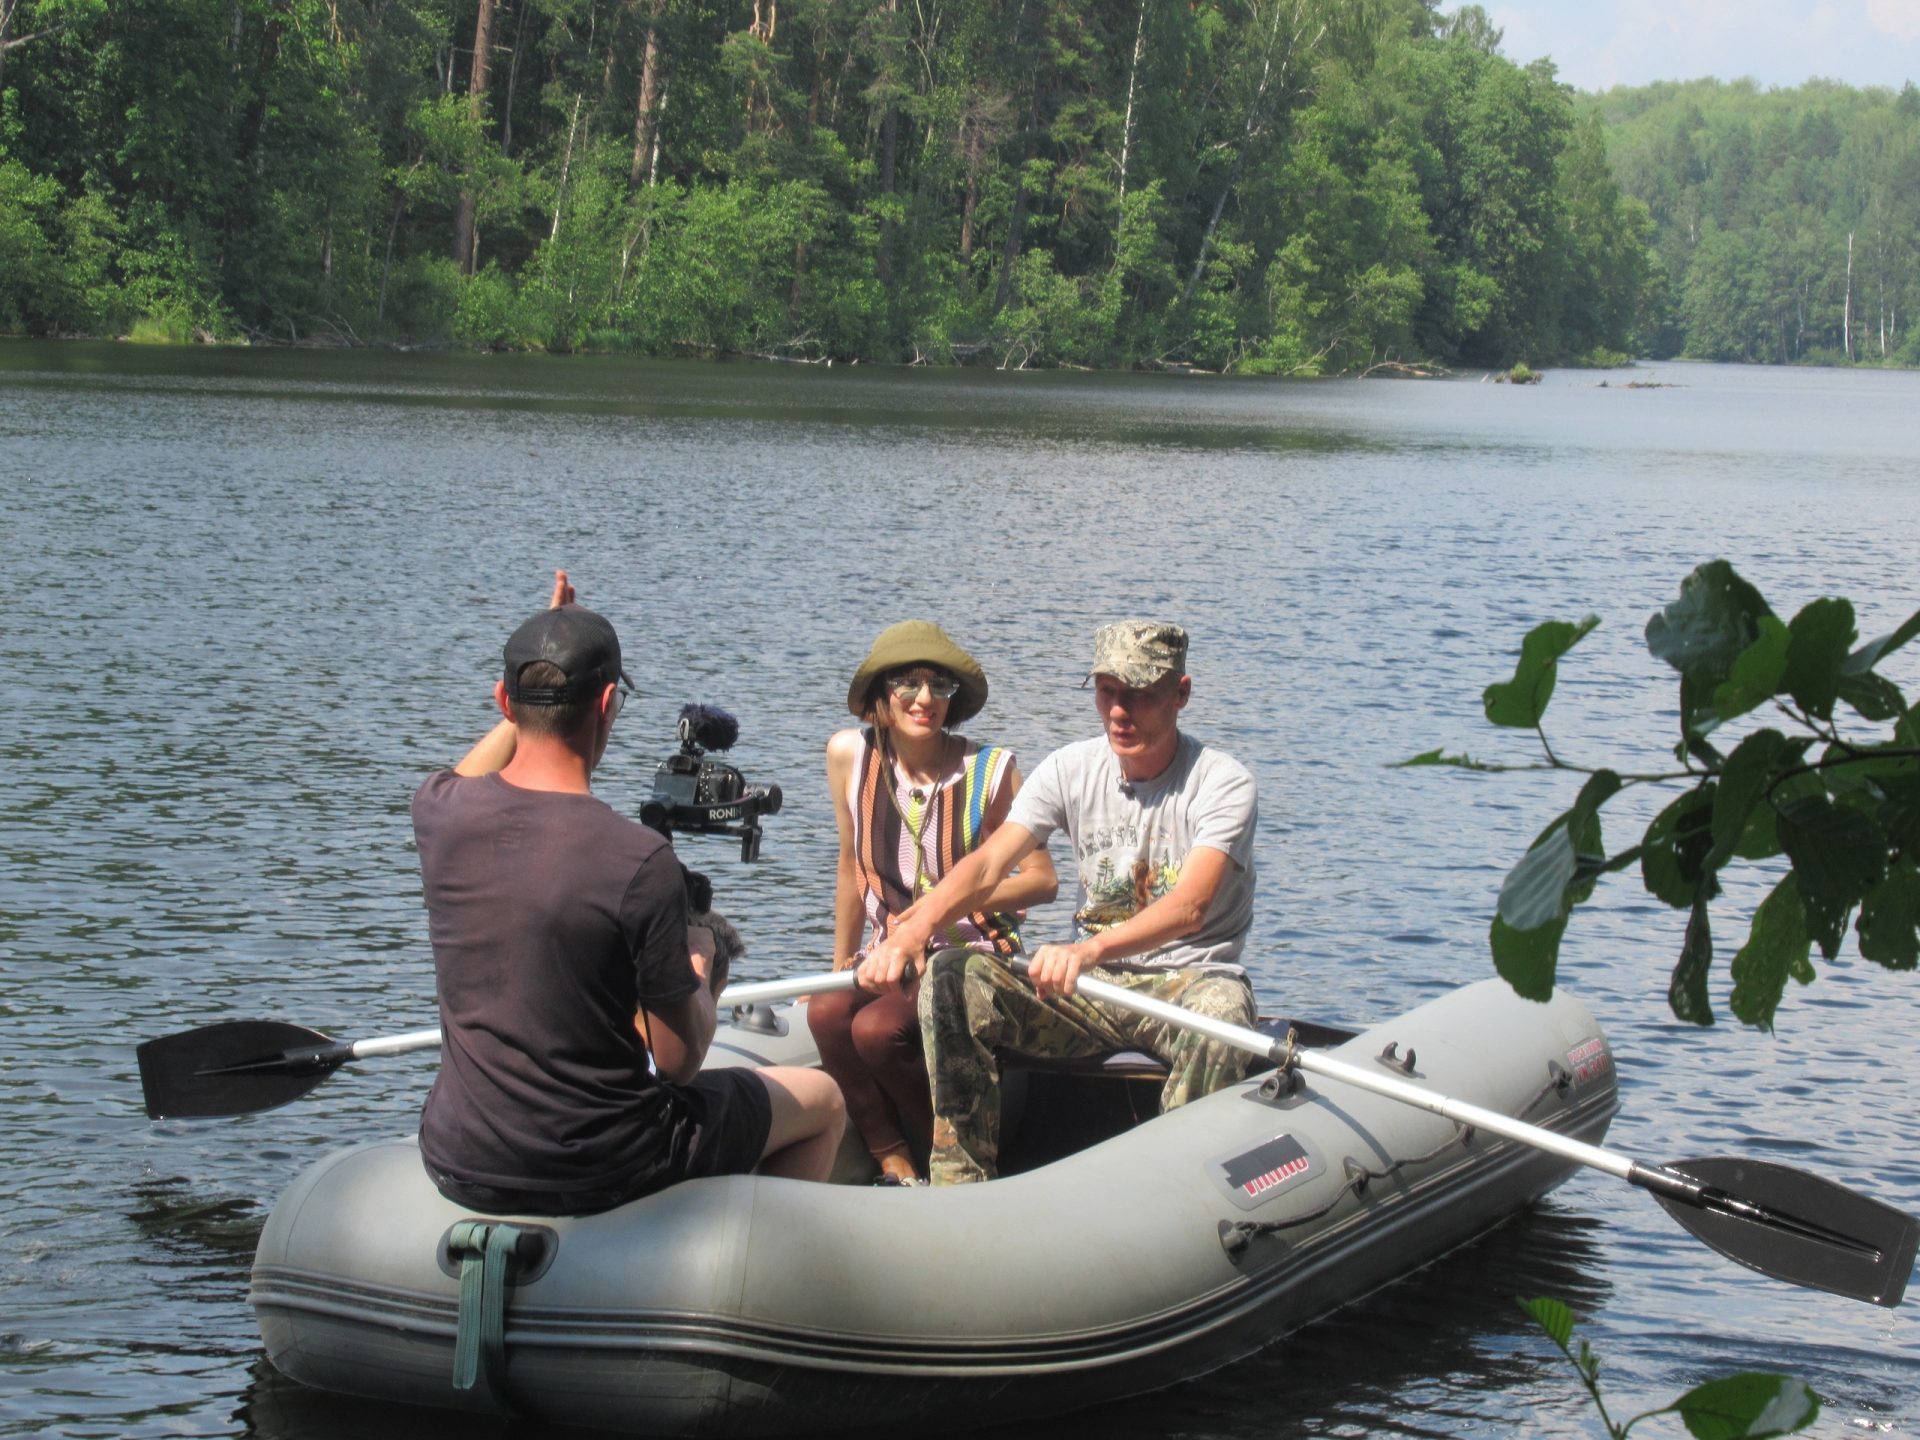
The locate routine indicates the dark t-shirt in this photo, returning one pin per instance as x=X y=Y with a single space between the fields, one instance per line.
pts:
x=553 y=918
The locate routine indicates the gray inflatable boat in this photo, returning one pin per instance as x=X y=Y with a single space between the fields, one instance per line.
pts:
x=1121 y=1253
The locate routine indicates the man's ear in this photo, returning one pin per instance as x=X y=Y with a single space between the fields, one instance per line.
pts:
x=500 y=698
x=1185 y=692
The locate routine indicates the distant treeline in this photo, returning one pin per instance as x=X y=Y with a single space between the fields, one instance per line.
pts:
x=1292 y=186
x=1788 y=221
x=1277 y=186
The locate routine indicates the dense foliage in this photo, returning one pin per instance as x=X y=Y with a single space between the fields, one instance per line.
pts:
x=1293 y=186
x=1788 y=220
x=1826 y=799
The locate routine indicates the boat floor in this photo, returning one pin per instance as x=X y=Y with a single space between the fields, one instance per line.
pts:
x=1050 y=1109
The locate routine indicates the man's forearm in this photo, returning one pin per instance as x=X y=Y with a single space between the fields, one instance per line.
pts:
x=491 y=751
x=1167 y=919
x=965 y=888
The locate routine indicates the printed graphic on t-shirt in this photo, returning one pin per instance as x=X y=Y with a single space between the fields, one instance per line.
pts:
x=1114 y=895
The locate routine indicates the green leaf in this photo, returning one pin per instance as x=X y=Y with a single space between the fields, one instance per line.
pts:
x=1560 y=867
x=1521 y=701
x=1437 y=757
x=1761 y=840
x=1702 y=635
x=1826 y=919
x=1676 y=845
x=1838 y=853
x=1534 y=891
x=1889 y=924
x=1589 y=846
x=1873 y=697
x=1747 y=1407
x=1874 y=651
x=1552 y=1316
x=1755 y=760
x=1816 y=649
x=1776 y=947
x=1900 y=813
x=1526 y=959
x=1756 y=673
x=1695 y=747
x=1687 y=992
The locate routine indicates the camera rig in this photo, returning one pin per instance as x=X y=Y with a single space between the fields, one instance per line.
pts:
x=697 y=795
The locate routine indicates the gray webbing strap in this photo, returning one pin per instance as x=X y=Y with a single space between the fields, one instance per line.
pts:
x=480 y=1343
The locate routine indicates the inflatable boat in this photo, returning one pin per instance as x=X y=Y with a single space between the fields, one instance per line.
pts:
x=1123 y=1251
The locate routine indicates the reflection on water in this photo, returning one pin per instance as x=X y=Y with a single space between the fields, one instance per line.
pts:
x=255 y=597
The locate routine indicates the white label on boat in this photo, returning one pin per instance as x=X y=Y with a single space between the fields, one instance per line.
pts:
x=1253 y=1177
x=1589 y=1060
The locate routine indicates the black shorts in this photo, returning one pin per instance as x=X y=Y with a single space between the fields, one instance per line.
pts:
x=732 y=1115
x=720 y=1123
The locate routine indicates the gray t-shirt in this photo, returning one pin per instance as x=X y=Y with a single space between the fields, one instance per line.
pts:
x=1130 y=840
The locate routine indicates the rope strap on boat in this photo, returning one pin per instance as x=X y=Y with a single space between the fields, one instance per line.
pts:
x=1283 y=1057
x=485 y=1249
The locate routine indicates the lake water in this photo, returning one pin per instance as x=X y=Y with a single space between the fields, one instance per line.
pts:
x=250 y=599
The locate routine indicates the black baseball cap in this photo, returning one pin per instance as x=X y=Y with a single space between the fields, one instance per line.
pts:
x=581 y=643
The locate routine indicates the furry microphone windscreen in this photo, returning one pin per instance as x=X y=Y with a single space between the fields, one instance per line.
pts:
x=709 y=727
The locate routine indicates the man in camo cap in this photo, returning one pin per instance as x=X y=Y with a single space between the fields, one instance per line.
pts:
x=1162 y=832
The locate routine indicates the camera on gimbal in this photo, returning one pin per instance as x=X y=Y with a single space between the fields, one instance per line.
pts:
x=701 y=796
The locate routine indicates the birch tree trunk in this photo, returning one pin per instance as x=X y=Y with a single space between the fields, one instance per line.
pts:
x=566 y=168
x=645 y=116
x=1846 y=321
x=889 y=150
x=1133 y=78
x=1270 y=72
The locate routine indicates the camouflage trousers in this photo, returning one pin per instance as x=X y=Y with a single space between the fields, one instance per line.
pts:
x=972 y=1005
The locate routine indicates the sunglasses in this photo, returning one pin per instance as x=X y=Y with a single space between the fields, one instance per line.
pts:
x=941 y=687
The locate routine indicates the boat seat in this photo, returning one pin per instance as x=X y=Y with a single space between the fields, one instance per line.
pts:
x=1127 y=1065
x=1051 y=1108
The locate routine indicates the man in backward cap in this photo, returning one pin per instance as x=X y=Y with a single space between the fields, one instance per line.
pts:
x=1162 y=831
x=562 y=950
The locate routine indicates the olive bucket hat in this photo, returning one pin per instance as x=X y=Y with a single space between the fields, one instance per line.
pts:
x=920 y=642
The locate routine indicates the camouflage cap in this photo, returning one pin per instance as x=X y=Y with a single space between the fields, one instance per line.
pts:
x=1139 y=652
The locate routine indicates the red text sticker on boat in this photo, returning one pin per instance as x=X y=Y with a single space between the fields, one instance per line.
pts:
x=1253 y=1177
x=1589 y=1060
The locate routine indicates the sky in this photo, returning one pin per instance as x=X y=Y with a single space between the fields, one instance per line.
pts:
x=1601 y=43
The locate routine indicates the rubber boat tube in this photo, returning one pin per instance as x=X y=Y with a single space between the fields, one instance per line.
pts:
x=753 y=1306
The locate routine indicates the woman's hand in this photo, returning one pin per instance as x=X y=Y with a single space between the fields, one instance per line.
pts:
x=889 y=966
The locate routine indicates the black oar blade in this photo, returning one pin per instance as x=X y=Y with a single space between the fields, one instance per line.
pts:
x=1798 y=1227
x=234 y=1068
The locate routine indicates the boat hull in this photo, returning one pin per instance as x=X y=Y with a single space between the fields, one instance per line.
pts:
x=748 y=1306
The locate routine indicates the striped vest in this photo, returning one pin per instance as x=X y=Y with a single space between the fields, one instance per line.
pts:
x=890 y=854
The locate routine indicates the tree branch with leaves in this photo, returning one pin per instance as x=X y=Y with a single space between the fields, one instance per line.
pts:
x=1839 y=806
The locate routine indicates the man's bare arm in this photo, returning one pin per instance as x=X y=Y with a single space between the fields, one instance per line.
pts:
x=891 y=963
x=493 y=750
x=1056 y=969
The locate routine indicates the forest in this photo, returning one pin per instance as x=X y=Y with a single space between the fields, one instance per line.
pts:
x=1291 y=187
x=1787 y=222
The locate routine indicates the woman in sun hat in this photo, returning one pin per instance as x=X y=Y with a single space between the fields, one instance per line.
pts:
x=910 y=797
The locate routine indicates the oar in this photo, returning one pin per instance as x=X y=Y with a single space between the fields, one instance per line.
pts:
x=1772 y=1218
x=240 y=1066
